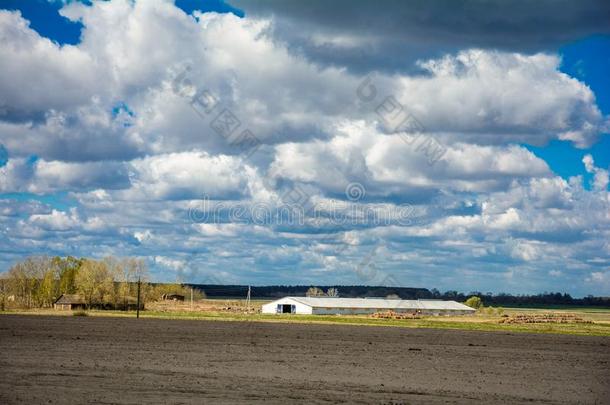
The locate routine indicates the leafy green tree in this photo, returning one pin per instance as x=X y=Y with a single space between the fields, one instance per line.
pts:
x=47 y=290
x=68 y=268
x=94 y=281
x=474 y=302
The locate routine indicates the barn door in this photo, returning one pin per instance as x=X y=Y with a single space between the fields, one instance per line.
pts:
x=278 y=309
x=293 y=309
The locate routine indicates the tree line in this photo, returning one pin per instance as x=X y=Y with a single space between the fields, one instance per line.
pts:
x=38 y=281
x=352 y=291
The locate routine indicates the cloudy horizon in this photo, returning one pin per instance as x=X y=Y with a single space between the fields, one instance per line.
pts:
x=420 y=144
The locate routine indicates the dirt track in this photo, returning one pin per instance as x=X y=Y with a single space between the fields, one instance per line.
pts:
x=110 y=360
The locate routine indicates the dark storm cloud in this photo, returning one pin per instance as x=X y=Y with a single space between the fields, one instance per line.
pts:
x=390 y=35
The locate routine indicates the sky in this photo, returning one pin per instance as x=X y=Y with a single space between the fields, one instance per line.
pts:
x=450 y=145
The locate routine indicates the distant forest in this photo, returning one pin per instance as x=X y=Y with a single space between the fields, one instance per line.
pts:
x=349 y=291
x=38 y=281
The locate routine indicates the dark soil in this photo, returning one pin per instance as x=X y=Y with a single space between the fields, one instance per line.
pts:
x=119 y=360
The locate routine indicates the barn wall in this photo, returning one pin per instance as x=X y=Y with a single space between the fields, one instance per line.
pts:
x=303 y=309
x=271 y=308
x=357 y=311
x=344 y=311
x=367 y=311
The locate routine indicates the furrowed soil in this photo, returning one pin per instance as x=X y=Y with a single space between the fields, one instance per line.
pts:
x=50 y=359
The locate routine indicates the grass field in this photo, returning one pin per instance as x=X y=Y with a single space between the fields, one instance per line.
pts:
x=229 y=311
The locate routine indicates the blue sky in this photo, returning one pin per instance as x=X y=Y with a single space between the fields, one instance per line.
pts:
x=588 y=60
x=184 y=132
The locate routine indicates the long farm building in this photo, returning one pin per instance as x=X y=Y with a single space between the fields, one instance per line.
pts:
x=352 y=306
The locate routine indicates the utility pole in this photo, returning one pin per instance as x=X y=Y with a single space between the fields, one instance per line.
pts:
x=138 y=302
x=191 y=298
x=248 y=299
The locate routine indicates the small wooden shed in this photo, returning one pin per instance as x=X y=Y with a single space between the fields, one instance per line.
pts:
x=70 y=302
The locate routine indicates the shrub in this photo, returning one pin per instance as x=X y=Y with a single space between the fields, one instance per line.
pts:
x=80 y=312
x=474 y=302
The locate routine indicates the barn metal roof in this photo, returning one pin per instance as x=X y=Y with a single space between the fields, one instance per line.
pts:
x=70 y=299
x=380 y=303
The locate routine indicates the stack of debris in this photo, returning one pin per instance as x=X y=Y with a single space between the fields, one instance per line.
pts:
x=544 y=318
x=395 y=315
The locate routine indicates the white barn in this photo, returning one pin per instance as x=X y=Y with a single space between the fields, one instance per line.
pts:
x=352 y=306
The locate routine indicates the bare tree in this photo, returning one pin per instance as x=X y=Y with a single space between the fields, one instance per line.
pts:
x=120 y=286
x=315 y=292
x=4 y=282
x=138 y=270
x=25 y=279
